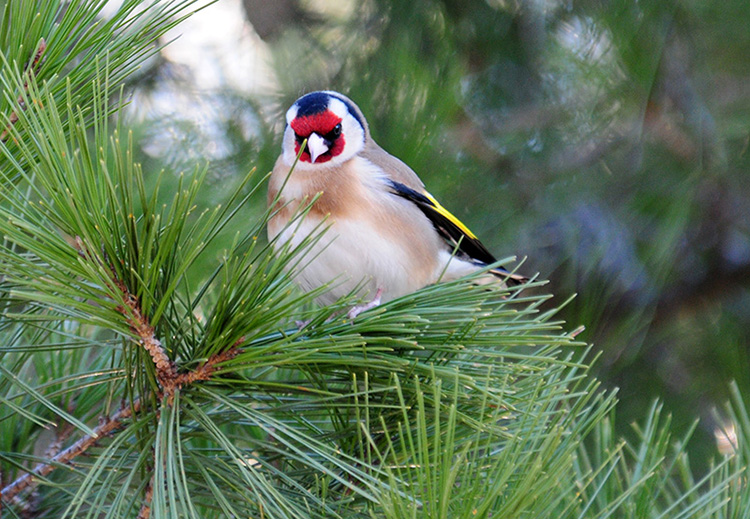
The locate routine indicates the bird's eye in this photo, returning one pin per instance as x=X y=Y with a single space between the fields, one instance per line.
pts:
x=335 y=133
x=299 y=138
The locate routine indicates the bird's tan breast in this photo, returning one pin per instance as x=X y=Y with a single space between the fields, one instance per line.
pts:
x=395 y=243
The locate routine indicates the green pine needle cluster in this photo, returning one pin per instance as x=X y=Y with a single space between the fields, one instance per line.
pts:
x=136 y=383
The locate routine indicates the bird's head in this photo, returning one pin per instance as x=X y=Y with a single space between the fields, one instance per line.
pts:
x=333 y=126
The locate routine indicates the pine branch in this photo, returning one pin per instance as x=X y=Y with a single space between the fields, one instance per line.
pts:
x=205 y=370
x=31 y=69
x=145 y=511
x=108 y=426
x=111 y=424
x=29 y=506
x=166 y=369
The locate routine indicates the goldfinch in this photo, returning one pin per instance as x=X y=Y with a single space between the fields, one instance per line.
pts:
x=386 y=235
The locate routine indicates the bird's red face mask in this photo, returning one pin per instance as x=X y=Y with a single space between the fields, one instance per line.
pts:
x=323 y=133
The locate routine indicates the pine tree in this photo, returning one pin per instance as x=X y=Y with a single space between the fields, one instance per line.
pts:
x=134 y=381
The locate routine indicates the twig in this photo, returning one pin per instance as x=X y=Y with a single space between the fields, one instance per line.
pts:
x=108 y=426
x=63 y=433
x=167 y=375
x=30 y=70
x=145 y=511
x=28 y=506
x=166 y=370
x=205 y=370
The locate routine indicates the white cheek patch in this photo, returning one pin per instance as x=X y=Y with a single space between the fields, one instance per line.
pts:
x=351 y=129
x=338 y=107
x=291 y=113
x=288 y=147
x=354 y=135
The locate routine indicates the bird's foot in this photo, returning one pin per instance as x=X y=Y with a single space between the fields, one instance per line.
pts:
x=355 y=311
x=302 y=324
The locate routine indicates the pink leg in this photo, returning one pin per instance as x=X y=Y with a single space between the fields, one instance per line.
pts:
x=355 y=311
x=302 y=324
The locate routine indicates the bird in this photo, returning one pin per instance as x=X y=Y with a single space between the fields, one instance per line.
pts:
x=385 y=235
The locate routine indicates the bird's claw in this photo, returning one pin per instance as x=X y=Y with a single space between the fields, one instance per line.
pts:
x=356 y=310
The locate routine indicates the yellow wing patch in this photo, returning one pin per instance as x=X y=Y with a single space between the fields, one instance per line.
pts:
x=448 y=215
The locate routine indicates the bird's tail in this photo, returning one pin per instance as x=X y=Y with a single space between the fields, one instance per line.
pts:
x=510 y=278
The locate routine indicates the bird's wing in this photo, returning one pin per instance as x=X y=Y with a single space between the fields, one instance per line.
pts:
x=404 y=182
x=394 y=167
x=451 y=228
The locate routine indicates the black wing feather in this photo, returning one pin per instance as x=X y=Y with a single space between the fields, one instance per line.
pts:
x=466 y=245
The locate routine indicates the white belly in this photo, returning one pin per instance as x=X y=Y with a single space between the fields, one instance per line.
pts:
x=350 y=257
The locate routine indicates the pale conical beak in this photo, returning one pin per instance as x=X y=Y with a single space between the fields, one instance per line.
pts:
x=317 y=146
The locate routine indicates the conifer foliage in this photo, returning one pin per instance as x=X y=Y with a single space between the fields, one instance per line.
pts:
x=135 y=382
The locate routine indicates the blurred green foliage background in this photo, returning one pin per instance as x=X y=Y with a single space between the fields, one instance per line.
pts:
x=605 y=141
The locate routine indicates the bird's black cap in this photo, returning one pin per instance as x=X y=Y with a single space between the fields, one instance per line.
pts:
x=317 y=102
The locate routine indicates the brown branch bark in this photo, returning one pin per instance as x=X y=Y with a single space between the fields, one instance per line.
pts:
x=167 y=375
x=166 y=370
x=145 y=511
x=206 y=370
x=107 y=427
